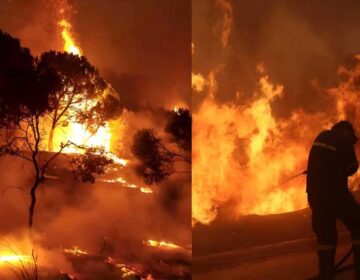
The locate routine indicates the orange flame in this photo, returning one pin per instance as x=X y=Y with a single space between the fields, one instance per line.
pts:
x=69 y=43
x=243 y=155
x=76 y=132
x=122 y=182
x=161 y=244
x=6 y=258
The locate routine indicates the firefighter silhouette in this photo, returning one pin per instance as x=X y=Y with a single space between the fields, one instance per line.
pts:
x=331 y=161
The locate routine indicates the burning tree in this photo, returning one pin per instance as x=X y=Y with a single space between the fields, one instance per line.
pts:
x=156 y=161
x=30 y=90
x=79 y=96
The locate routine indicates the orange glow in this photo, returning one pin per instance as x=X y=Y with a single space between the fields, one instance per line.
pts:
x=122 y=182
x=69 y=43
x=8 y=258
x=198 y=82
x=75 y=132
x=161 y=244
x=243 y=154
x=76 y=251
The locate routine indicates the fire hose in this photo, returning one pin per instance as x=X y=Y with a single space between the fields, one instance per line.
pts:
x=348 y=254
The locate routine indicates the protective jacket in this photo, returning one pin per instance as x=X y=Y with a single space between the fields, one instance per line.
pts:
x=331 y=161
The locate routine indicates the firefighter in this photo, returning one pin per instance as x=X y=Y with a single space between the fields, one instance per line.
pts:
x=331 y=161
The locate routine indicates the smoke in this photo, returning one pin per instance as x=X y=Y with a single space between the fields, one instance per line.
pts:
x=299 y=43
x=131 y=89
x=152 y=43
x=103 y=219
x=143 y=50
x=226 y=22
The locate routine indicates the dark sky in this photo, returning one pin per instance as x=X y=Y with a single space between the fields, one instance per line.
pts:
x=299 y=43
x=141 y=47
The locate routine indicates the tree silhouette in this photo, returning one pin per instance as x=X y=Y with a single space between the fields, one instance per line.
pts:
x=25 y=90
x=93 y=162
x=25 y=96
x=30 y=90
x=155 y=160
x=179 y=126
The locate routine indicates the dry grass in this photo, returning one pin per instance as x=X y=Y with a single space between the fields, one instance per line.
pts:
x=23 y=267
x=26 y=269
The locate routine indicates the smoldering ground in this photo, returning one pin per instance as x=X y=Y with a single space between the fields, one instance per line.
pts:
x=103 y=219
x=143 y=50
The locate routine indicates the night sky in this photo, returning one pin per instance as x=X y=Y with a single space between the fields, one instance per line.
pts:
x=300 y=43
x=142 y=47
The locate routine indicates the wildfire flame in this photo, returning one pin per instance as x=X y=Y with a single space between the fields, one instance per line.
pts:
x=69 y=43
x=13 y=259
x=161 y=244
x=126 y=270
x=243 y=154
x=124 y=183
x=75 y=132
x=198 y=82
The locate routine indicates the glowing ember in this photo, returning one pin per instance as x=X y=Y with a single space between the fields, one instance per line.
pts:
x=161 y=244
x=76 y=251
x=146 y=190
x=117 y=160
x=117 y=180
x=124 y=183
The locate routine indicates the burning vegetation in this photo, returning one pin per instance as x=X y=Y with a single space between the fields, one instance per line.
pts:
x=65 y=127
x=245 y=151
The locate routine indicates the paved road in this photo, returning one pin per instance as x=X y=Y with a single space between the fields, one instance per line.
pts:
x=295 y=260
